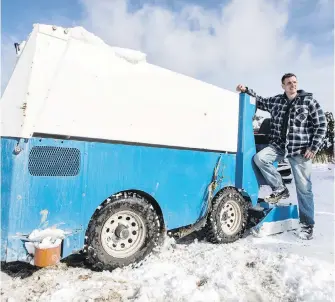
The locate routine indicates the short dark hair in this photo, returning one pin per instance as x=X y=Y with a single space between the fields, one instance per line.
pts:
x=287 y=75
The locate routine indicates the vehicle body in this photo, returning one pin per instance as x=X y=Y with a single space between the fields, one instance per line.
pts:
x=116 y=151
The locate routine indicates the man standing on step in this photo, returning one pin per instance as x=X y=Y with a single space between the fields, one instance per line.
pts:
x=298 y=128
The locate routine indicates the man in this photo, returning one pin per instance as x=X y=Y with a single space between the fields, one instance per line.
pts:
x=298 y=128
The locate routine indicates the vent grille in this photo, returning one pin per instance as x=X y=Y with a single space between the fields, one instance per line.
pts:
x=54 y=161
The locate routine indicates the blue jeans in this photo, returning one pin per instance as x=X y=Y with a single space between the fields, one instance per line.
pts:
x=301 y=169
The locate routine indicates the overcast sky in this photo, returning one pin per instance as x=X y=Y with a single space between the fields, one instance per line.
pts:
x=220 y=42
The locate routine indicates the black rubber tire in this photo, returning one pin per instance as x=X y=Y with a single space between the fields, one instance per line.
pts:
x=214 y=231
x=97 y=256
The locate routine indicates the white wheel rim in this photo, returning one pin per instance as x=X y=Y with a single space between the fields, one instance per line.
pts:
x=123 y=234
x=230 y=217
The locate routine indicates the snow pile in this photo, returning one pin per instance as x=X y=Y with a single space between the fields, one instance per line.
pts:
x=80 y=33
x=130 y=55
x=44 y=239
x=275 y=268
x=48 y=243
x=195 y=272
x=38 y=235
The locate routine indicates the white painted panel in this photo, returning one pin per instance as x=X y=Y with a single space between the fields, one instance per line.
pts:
x=98 y=95
x=14 y=97
x=31 y=80
x=82 y=87
x=48 y=55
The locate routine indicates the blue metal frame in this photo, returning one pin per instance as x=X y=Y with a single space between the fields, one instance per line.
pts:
x=246 y=178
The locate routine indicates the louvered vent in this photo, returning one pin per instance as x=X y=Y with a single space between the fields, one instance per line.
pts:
x=54 y=161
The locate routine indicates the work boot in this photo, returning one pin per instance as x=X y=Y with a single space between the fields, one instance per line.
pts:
x=306 y=232
x=276 y=195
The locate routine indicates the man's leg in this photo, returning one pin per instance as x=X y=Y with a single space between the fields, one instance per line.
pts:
x=264 y=161
x=302 y=170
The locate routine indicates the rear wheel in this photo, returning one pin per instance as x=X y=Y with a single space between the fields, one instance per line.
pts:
x=124 y=231
x=228 y=218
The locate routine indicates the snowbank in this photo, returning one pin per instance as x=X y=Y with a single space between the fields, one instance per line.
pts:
x=195 y=272
x=275 y=268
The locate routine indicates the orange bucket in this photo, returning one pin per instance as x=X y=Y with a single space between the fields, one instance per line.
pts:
x=47 y=256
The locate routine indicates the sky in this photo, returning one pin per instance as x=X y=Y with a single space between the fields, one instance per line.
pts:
x=220 y=42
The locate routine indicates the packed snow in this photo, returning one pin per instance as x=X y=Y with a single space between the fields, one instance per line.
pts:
x=132 y=56
x=44 y=239
x=54 y=233
x=275 y=268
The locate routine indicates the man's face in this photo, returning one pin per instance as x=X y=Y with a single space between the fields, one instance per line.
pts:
x=290 y=85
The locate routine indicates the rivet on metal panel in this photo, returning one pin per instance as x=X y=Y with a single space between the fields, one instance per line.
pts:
x=17 y=149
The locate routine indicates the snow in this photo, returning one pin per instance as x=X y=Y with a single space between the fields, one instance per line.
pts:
x=269 y=228
x=80 y=33
x=275 y=268
x=48 y=243
x=38 y=235
x=44 y=239
x=132 y=56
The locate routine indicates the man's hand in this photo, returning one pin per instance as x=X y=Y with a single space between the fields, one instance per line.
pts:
x=241 y=88
x=309 y=154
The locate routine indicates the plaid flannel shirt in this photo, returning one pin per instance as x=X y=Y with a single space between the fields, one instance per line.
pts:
x=305 y=125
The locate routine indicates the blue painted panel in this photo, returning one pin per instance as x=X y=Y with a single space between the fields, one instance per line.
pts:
x=25 y=196
x=282 y=213
x=177 y=179
x=6 y=184
x=277 y=214
x=280 y=218
x=246 y=177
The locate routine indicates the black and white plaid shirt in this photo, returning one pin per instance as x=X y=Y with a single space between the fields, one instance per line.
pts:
x=305 y=125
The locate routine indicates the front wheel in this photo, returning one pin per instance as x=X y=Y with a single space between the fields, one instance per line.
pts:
x=124 y=231
x=228 y=218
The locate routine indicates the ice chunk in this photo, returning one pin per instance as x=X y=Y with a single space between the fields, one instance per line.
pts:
x=30 y=247
x=48 y=242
